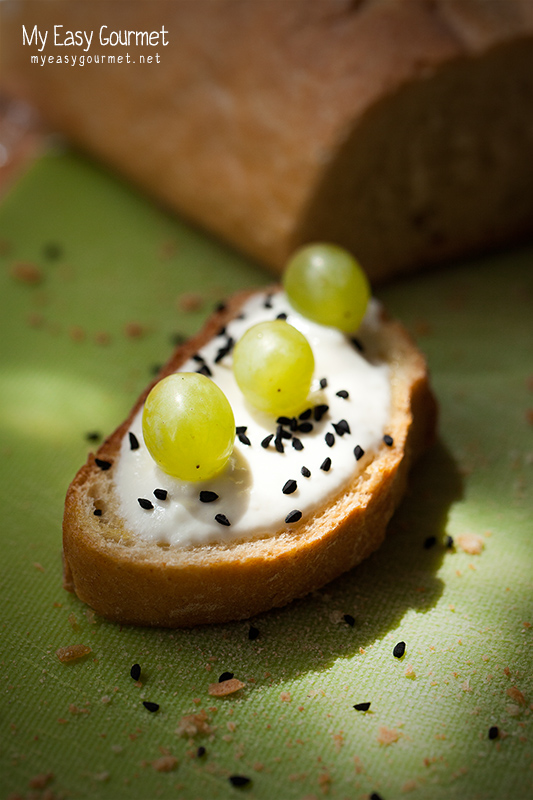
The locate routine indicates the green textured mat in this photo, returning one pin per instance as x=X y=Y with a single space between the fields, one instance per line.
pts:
x=114 y=267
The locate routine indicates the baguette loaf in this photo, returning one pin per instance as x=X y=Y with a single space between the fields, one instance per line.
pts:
x=401 y=129
x=129 y=580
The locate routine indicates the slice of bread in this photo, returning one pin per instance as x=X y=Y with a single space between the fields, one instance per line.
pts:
x=129 y=580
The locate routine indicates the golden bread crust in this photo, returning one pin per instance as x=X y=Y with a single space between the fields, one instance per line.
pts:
x=131 y=581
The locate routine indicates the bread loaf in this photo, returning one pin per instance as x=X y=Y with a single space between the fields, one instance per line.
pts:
x=130 y=578
x=402 y=129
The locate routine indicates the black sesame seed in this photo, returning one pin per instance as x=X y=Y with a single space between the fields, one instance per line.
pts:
x=222 y=520
x=283 y=420
x=134 y=442
x=323 y=383
x=343 y=393
x=222 y=331
x=135 y=672
x=266 y=441
x=177 y=338
x=357 y=343
x=341 y=427
x=243 y=439
x=241 y=429
x=305 y=414
x=449 y=542
x=268 y=301
x=293 y=516
x=494 y=732
x=52 y=251
x=297 y=444
x=290 y=487
x=326 y=464
x=279 y=444
x=204 y=370
x=358 y=452
x=399 y=650
x=430 y=542
x=225 y=350
x=104 y=465
x=144 y=503
x=253 y=633
x=330 y=439
x=226 y=676
x=305 y=472
x=93 y=436
x=319 y=411
x=281 y=433
x=305 y=427
x=239 y=780
x=155 y=368
x=375 y=796
x=198 y=358
x=207 y=496
x=362 y=706
x=200 y=752
x=161 y=494
x=153 y=707
x=220 y=306
x=294 y=424
x=97 y=512
x=389 y=441
x=283 y=315
x=349 y=620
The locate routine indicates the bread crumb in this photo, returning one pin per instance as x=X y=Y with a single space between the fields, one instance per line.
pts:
x=194 y=724
x=165 y=763
x=76 y=333
x=258 y=766
x=72 y=652
x=38 y=566
x=387 y=736
x=73 y=621
x=285 y=697
x=516 y=695
x=190 y=301
x=26 y=272
x=409 y=672
x=471 y=543
x=75 y=710
x=134 y=330
x=409 y=786
x=41 y=780
x=224 y=688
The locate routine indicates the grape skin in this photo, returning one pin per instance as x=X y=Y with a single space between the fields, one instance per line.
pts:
x=325 y=283
x=188 y=426
x=273 y=364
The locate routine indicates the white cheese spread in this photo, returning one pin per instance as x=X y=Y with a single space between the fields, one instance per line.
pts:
x=250 y=489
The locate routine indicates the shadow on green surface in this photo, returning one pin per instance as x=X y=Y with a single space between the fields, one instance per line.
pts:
x=310 y=634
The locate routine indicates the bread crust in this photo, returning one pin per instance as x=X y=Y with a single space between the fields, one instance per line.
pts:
x=131 y=581
x=401 y=130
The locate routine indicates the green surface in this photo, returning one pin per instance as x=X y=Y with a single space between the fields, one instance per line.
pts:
x=465 y=618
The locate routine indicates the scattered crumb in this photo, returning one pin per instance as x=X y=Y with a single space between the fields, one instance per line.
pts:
x=102 y=337
x=75 y=710
x=76 y=333
x=224 y=688
x=516 y=695
x=26 y=272
x=41 y=781
x=358 y=765
x=165 y=763
x=190 y=301
x=258 y=766
x=409 y=672
x=410 y=786
x=471 y=543
x=285 y=697
x=38 y=566
x=73 y=621
x=134 y=330
x=506 y=671
x=388 y=736
x=193 y=724
x=72 y=652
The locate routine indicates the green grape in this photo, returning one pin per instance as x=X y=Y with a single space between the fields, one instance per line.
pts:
x=326 y=284
x=273 y=365
x=188 y=426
